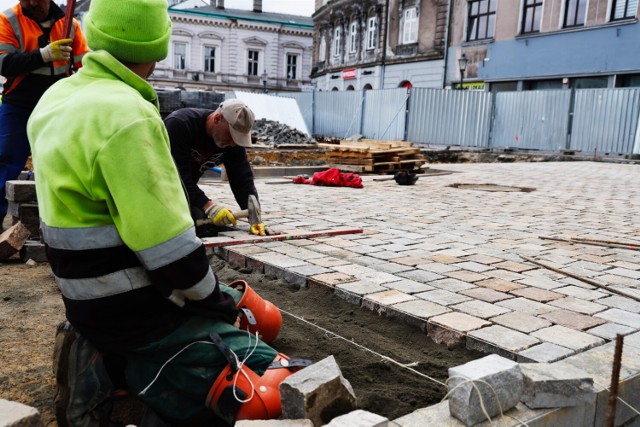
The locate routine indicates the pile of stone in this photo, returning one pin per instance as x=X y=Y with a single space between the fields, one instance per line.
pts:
x=276 y=134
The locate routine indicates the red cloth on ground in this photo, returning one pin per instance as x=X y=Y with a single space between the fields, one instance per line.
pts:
x=332 y=177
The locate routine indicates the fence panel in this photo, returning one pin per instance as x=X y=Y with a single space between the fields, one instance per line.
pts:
x=305 y=103
x=338 y=114
x=449 y=117
x=384 y=114
x=605 y=120
x=532 y=119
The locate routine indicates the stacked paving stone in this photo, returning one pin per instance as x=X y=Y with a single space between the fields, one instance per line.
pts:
x=276 y=134
x=23 y=208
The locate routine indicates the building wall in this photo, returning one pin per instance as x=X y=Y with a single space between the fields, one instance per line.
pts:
x=396 y=60
x=599 y=48
x=232 y=37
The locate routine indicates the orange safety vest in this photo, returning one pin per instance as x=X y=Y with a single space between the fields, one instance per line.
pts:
x=19 y=34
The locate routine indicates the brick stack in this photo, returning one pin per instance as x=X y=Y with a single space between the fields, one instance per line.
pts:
x=23 y=208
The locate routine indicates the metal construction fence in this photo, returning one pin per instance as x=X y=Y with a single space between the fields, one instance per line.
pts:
x=605 y=120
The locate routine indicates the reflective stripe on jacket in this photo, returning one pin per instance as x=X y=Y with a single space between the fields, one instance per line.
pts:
x=20 y=34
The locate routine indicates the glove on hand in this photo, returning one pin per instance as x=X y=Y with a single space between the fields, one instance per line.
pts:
x=58 y=50
x=220 y=215
x=258 y=229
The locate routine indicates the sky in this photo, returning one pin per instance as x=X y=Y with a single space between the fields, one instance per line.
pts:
x=292 y=7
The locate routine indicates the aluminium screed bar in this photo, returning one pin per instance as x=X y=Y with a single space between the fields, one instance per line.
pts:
x=278 y=237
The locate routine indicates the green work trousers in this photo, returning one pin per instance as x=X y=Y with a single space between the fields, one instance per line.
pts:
x=191 y=364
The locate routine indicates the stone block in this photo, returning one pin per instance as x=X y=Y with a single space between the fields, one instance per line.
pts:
x=34 y=250
x=34 y=229
x=494 y=381
x=274 y=423
x=236 y=260
x=318 y=392
x=12 y=240
x=556 y=385
x=21 y=191
x=359 y=418
x=545 y=352
x=452 y=328
x=14 y=414
x=435 y=415
x=255 y=265
x=27 y=213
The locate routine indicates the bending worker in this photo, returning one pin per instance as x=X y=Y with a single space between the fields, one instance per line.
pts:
x=202 y=138
x=134 y=278
x=33 y=56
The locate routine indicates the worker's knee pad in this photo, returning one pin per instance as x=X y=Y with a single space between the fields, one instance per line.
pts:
x=243 y=395
x=257 y=314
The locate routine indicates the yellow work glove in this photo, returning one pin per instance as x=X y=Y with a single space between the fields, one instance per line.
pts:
x=58 y=50
x=221 y=215
x=258 y=229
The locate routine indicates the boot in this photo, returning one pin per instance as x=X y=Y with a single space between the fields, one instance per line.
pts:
x=83 y=387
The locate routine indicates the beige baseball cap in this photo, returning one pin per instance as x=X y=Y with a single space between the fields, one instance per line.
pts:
x=240 y=119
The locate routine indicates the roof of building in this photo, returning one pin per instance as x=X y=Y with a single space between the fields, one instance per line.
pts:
x=248 y=15
x=82 y=6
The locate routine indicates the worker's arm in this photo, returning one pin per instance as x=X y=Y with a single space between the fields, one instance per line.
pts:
x=14 y=64
x=240 y=175
x=181 y=141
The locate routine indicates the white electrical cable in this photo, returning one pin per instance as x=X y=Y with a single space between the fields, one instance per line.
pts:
x=247 y=355
x=168 y=361
x=251 y=348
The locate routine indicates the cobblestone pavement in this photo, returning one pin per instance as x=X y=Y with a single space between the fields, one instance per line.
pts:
x=448 y=259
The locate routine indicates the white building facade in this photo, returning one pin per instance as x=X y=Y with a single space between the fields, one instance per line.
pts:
x=217 y=49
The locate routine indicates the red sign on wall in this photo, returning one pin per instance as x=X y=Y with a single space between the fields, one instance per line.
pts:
x=348 y=74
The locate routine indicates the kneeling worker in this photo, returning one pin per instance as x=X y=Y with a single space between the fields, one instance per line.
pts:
x=135 y=280
x=202 y=138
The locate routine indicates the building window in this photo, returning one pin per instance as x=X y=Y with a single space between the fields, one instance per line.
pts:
x=482 y=19
x=372 y=32
x=336 y=41
x=180 y=56
x=574 y=13
x=410 y=26
x=209 y=59
x=353 y=36
x=253 y=57
x=624 y=9
x=531 y=16
x=322 y=51
x=292 y=67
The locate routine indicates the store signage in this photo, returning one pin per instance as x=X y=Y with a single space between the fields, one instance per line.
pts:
x=348 y=74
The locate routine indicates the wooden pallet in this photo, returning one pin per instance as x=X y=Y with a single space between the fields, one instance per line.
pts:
x=374 y=156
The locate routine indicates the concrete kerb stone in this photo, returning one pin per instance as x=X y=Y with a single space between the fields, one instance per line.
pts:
x=360 y=418
x=556 y=385
x=274 y=423
x=484 y=387
x=598 y=363
x=318 y=392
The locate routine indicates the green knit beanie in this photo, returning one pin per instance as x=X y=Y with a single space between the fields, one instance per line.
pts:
x=135 y=31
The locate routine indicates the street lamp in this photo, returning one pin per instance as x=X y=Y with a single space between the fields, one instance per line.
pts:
x=462 y=66
x=264 y=81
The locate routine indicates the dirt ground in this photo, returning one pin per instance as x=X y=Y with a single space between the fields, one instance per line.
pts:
x=31 y=307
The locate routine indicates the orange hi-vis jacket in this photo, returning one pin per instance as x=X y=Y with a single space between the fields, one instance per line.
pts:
x=21 y=38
